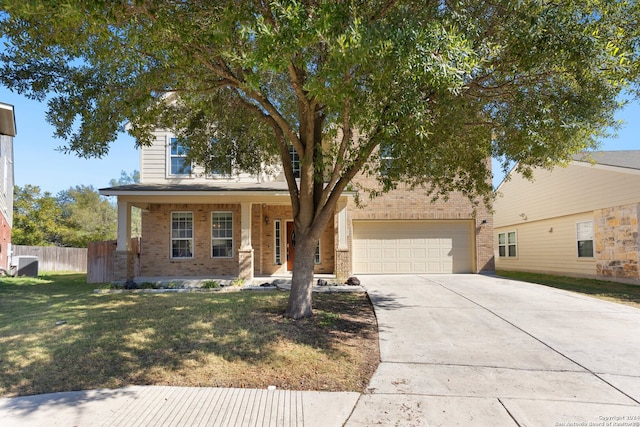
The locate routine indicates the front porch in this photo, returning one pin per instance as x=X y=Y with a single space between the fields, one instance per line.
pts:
x=204 y=232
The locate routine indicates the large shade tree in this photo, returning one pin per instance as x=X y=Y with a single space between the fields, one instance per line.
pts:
x=437 y=86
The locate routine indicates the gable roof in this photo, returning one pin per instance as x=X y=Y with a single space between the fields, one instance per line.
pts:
x=626 y=159
x=629 y=159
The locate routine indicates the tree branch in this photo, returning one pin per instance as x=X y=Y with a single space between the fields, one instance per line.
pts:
x=344 y=144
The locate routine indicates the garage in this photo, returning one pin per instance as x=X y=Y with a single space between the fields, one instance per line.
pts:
x=405 y=247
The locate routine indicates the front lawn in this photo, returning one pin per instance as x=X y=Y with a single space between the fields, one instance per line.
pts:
x=57 y=335
x=610 y=291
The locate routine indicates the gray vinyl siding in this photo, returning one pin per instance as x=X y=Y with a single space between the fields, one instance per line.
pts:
x=154 y=166
x=152 y=160
x=6 y=177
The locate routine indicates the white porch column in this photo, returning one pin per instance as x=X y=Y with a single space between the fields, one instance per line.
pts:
x=343 y=254
x=245 y=253
x=245 y=224
x=124 y=226
x=342 y=225
x=123 y=263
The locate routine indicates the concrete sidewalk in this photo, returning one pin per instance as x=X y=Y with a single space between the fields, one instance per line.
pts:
x=179 y=406
x=456 y=350
x=477 y=350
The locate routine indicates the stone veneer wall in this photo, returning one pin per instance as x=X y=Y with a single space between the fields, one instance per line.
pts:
x=617 y=242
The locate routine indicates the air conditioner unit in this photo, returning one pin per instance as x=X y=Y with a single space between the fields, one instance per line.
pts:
x=26 y=265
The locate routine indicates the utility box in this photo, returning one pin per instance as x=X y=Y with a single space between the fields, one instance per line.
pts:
x=26 y=265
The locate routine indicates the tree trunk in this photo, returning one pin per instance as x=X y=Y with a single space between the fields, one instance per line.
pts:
x=300 y=302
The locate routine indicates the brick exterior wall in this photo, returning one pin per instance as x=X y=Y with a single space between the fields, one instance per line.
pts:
x=405 y=203
x=155 y=253
x=263 y=241
x=617 y=242
x=123 y=266
x=5 y=239
x=400 y=204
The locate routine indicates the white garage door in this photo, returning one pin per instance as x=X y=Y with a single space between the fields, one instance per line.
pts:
x=397 y=247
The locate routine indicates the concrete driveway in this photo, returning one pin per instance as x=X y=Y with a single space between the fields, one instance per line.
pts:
x=478 y=350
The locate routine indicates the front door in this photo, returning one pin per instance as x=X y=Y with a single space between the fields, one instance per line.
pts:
x=291 y=244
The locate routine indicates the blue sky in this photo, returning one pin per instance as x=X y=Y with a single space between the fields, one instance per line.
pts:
x=38 y=163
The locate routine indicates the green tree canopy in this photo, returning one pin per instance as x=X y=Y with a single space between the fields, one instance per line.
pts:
x=73 y=218
x=126 y=178
x=439 y=86
x=86 y=216
x=36 y=217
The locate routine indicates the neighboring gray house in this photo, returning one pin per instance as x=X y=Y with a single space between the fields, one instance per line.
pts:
x=7 y=132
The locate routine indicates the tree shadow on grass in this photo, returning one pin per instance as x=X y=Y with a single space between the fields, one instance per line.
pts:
x=222 y=339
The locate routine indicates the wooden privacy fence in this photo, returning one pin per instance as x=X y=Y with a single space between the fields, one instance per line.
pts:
x=54 y=258
x=100 y=257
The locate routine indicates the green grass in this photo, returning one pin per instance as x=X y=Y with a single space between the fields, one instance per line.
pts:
x=610 y=291
x=57 y=335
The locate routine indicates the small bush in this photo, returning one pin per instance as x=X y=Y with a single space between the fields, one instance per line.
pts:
x=147 y=285
x=210 y=284
x=238 y=282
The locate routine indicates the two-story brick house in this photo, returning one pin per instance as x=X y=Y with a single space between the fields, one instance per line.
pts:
x=240 y=225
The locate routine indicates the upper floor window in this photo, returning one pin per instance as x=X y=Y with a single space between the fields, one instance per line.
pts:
x=386 y=159
x=584 y=235
x=178 y=158
x=219 y=164
x=507 y=245
x=295 y=161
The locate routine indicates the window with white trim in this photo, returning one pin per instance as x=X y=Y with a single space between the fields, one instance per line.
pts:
x=178 y=165
x=222 y=234
x=278 y=242
x=181 y=234
x=386 y=159
x=507 y=245
x=316 y=258
x=219 y=164
x=584 y=236
x=295 y=161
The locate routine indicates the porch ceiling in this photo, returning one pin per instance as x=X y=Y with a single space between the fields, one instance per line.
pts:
x=274 y=192
x=195 y=188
